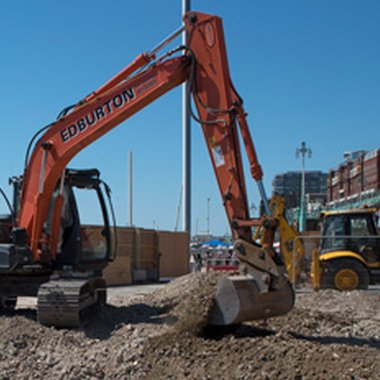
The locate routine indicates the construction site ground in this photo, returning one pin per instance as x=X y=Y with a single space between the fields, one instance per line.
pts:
x=158 y=332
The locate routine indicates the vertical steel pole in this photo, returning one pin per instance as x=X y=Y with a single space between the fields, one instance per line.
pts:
x=302 y=214
x=186 y=141
x=302 y=210
x=208 y=216
x=130 y=189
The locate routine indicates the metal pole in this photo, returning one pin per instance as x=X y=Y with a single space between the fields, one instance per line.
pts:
x=208 y=216
x=178 y=209
x=130 y=189
x=302 y=214
x=263 y=197
x=302 y=224
x=186 y=141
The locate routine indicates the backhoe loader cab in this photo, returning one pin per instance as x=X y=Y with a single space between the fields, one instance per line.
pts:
x=349 y=253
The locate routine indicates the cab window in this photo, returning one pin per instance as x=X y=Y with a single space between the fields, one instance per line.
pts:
x=333 y=228
x=359 y=226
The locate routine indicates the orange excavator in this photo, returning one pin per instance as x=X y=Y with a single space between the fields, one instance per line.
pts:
x=42 y=250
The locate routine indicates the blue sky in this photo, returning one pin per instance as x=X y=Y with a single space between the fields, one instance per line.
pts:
x=308 y=70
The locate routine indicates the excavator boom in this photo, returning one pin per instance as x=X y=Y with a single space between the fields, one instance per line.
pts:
x=219 y=107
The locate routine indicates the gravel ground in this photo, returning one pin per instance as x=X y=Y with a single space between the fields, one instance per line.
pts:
x=328 y=335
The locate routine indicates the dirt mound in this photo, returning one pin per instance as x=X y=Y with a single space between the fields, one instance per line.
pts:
x=188 y=300
x=305 y=344
x=328 y=335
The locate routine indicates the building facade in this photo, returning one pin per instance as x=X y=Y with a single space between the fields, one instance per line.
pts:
x=356 y=181
x=288 y=185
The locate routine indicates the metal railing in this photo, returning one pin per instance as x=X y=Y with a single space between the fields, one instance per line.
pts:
x=222 y=264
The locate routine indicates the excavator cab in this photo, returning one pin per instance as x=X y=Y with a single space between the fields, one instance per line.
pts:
x=71 y=281
x=81 y=247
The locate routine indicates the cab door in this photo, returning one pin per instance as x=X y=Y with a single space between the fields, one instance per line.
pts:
x=86 y=240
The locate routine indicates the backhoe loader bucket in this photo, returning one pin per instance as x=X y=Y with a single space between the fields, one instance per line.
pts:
x=260 y=291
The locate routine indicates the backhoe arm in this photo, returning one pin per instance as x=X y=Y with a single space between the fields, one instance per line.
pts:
x=291 y=247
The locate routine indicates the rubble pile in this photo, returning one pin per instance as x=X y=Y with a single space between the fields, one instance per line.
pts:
x=163 y=335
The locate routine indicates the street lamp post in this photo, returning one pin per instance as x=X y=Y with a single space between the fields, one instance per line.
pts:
x=208 y=216
x=186 y=140
x=303 y=151
x=130 y=189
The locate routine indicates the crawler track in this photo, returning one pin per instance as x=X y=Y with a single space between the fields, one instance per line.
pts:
x=63 y=302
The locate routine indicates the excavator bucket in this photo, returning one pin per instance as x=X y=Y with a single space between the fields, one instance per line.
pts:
x=260 y=291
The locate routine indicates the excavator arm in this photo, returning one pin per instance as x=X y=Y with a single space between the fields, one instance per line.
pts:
x=221 y=113
x=90 y=119
x=261 y=290
x=219 y=107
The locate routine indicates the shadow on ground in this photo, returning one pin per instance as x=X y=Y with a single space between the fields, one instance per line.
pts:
x=111 y=318
x=348 y=341
x=100 y=324
x=237 y=331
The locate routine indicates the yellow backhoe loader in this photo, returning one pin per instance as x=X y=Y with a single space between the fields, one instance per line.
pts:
x=349 y=254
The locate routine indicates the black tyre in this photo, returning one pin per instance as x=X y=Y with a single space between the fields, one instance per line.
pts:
x=345 y=274
x=8 y=303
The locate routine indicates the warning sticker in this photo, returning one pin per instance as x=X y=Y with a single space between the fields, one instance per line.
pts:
x=217 y=152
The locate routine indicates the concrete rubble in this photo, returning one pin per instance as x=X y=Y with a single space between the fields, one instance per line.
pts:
x=162 y=335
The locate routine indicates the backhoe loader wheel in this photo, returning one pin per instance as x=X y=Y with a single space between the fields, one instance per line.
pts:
x=8 y=303
x=345 y=275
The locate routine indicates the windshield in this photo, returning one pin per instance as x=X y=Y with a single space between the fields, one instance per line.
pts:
x=333 y=229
